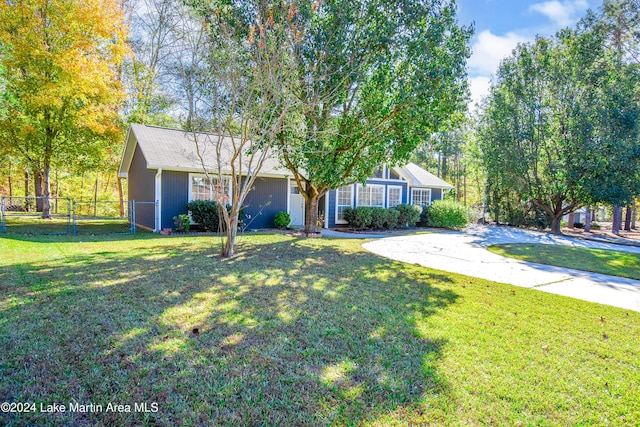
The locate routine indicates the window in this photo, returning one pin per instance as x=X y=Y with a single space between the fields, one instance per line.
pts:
x=203 y=188
x=378 y=172
x=393 y=174
x=421 y=196
x=394 y=196
x=371 y=195
x=344 y=199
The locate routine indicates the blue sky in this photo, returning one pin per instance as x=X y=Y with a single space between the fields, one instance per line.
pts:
x=501 y=24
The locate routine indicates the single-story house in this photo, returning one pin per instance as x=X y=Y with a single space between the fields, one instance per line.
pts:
x=164 y=172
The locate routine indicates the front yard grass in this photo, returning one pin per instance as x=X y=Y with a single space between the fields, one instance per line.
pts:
x=297 y=332
x=615 y=263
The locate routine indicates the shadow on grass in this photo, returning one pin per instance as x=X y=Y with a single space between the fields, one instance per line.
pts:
x=290 y=332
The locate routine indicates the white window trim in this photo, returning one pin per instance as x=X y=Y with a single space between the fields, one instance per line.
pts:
x=421 y=189
x=201 y=175
x=389 y=187
x=359 y=186
x=341 y=221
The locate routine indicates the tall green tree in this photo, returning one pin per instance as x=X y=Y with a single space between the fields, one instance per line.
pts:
x=62 y=95
x=374 y=79
x=529 y=141
x=560 y=127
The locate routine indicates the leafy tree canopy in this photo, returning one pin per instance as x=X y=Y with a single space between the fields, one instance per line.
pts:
x=61 y=93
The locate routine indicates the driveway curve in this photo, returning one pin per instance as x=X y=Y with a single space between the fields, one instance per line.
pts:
x=466 y=253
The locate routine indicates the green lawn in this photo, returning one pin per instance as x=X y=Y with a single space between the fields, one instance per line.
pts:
x=615 y=263
x=297 y=332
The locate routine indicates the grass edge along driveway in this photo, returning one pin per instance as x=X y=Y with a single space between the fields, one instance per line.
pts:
x=297 y=332
x=603 y=261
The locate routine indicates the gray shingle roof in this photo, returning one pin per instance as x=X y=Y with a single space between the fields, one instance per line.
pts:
x=174 y=149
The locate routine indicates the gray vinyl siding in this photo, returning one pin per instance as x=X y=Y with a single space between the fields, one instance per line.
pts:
x=266 y=199
x=141 y=188
x=175 y=194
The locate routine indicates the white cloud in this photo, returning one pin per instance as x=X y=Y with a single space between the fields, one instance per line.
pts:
x=489 y=49
x=563 y=14
x=479 y=87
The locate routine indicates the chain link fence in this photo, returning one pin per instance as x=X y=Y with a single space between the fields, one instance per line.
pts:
x=24 y=215
x=103 y=217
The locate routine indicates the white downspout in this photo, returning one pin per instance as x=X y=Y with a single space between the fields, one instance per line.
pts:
x=159 y=200
x=326 y=210
x=288 y=195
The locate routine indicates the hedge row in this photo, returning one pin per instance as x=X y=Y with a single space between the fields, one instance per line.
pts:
x=441 y=213
x=365 y=217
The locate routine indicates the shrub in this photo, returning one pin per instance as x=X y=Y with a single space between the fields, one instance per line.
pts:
x=424 y=214
x=358 y=218
x=392 y=218
x=383 y=219
x=595 y=226
x=363 y=217
x=182 y=222
x=378 y=218
x=282 y=220
x=205 y=213
x=408 y=215
x=447 y=214
x=578 y=225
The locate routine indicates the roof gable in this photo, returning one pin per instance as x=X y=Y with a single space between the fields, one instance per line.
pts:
x=419 y=177
x=174 y=149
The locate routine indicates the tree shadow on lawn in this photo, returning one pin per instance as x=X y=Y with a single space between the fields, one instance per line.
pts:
x=295 y=332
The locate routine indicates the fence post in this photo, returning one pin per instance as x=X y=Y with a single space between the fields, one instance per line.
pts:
x=130 y=216
x=68 y=214
x=133 y=215
x=3 y=226
x=73 y=213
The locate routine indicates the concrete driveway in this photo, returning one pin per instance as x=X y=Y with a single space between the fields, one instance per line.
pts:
x=466 y=253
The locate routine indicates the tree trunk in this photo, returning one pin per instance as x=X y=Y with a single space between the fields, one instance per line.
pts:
x=587 y=219
x=627 y=219
x=95 y=198
x=46 y=201
x=27 y=205
x=465 y=184
x=37 y=184
x=56 y=194
x=593 y=213
x=633 y=216
x=572 y=219
x=555 y=224
x=617 y=220
x=311 y=213
x=10 y=183
x=231 y=232
x=121 y=197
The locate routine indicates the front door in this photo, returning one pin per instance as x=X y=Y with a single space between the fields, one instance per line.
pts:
x=296 y=207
